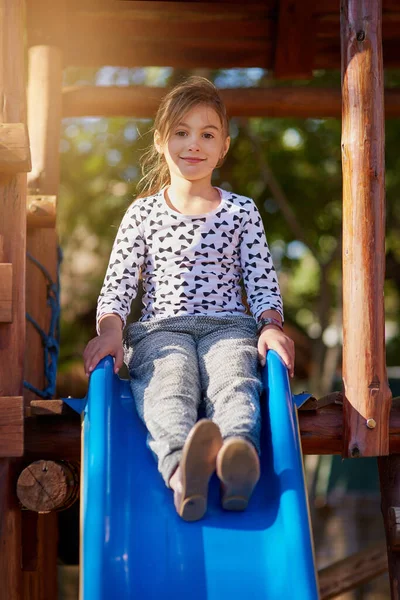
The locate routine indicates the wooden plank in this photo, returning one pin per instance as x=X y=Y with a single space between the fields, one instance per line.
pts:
x=352 y=571
x=58 y=437
x=40 y=555
x=41 y=211
x=15 y=155
x=11 y=426
x=389 y=475
x=12 y=336
x=10 y=533
x=6 y=292
x=295 y=40
x=367 y=395
x=143 y=101
x=50 y=408
x=187 y=54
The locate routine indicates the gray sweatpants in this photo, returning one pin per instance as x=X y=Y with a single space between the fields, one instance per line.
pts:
x=177 y=362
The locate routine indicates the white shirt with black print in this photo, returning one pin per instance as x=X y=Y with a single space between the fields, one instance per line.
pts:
x=190 y=264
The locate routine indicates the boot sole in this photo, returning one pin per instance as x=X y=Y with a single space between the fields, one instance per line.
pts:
x=238 y=468
x=197 y=465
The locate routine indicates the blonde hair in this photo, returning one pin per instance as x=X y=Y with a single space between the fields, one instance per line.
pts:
x=180 y=100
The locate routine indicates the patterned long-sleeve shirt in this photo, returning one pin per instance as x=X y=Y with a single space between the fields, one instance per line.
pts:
x=190 y=264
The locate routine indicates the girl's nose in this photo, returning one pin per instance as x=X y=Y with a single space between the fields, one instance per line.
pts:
x=194 y=145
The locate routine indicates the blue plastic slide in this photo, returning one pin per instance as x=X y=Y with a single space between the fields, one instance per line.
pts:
x=135 y=547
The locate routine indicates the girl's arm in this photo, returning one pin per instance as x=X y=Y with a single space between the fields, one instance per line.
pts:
x=119 y=288
x=109 y=341
x=122 y=277
x=262 y=288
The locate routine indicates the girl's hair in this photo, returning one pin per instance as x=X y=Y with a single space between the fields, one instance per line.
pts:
x=180 y=100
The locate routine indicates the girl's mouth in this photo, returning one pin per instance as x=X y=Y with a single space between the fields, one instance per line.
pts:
x=193 y=161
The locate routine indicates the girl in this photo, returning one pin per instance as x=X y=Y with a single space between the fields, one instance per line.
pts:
x=192 y=244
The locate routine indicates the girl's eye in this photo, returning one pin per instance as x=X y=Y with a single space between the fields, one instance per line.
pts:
x=181 y=133
x=208 y=136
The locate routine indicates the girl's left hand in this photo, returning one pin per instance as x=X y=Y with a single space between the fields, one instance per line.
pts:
x=272 y=338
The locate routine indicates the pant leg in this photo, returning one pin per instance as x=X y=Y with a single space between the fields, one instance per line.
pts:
x=231 y=378
x=166 y=387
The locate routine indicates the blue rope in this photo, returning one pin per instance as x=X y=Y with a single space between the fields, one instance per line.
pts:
x=50 y=340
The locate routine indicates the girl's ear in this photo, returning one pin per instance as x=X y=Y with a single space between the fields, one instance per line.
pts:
x=227 y=143
x=157 y=142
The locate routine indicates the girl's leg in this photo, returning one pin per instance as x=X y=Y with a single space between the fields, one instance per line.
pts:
x=231 y=378
x=165 y=383
x=232 y=386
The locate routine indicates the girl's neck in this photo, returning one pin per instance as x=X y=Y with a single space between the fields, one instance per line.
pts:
x=192 y=197
x=186 y=190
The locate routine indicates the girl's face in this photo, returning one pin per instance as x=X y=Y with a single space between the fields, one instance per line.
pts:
x=195 y=145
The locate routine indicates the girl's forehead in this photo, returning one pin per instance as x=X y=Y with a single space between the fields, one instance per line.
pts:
x=202 y=113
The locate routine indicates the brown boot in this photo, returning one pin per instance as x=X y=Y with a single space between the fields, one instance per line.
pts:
x=196 y=467
x=238 y=468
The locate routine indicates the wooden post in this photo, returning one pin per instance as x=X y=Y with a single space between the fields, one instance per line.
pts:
x=367 y=396
x=12 y=334
x=44 y=122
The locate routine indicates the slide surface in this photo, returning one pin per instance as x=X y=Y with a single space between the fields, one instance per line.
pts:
x=134 y=546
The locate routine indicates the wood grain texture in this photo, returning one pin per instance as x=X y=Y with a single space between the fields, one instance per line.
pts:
x=40 y=540
x=10 y=533
x=58 y=437
x=201 y=34
x=295 y=40
x=11 y=426
x=367 y=394
x=46 y=485
x=15 y=155
x=6 y=292
x=143 y=102
x=352 y=571
x=12 y=336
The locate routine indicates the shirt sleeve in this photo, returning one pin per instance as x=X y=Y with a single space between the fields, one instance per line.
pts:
x=259 y=275
x=121 y=281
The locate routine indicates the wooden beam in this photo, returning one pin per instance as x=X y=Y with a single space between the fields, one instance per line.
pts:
x=367 y=395
x=352 y=571
x=15 y=155
x=295 y=43
x=58 y=437
x=41 y=211
x=142 y=102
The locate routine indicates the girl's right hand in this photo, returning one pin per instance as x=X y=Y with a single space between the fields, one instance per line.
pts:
x=109 y=342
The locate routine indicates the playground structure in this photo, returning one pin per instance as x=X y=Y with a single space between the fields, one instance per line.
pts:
x=292 y=37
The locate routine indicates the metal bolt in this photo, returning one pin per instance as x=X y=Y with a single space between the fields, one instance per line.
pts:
x=371 y=423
